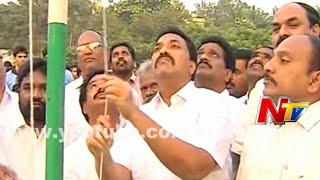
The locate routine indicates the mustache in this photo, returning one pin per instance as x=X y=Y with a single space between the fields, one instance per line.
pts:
x=282 y=38
x=257 y=61
x=269 y=78
x=162 y=55
x=204 y=61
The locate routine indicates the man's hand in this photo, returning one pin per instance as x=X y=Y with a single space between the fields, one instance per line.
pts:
x=119 y=93
x=100 y=141
x=7 y=173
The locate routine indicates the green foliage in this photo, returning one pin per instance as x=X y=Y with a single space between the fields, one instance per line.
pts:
x=139 y=22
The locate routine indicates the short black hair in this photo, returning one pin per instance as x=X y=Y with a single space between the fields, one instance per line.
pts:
x=7 y=63
x=315 y=53
x=312 y=13
x=266 y=46
x=191 y=46
x=228 y=53
x=39 y=64
x=243 y=54
x=125 y=44
x=83 y=89
x=19 y=49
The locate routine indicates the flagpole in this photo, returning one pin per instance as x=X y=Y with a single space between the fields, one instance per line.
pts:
x=57 y=35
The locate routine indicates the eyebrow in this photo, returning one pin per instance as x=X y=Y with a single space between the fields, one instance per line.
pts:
x=283 y=53
x=288 y=20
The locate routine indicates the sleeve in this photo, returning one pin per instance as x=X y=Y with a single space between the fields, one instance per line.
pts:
x=125 y=146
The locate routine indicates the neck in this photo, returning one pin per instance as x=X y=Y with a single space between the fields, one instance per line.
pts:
x=37 y=124
x=210 y=84
x=17 y=68
x=124 y=76
x=168 y=87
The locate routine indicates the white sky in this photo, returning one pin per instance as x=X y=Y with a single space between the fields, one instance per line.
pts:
x=263 y=4
x=266 y=5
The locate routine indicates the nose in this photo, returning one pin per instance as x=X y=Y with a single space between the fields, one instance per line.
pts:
x=38 y=94
x=202 y=57
x=283 y=31
x=268 y=67
x=87 y=50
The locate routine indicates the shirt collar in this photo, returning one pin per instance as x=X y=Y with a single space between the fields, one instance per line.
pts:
x=185 y=93
x=311 y=116
x=225 y=92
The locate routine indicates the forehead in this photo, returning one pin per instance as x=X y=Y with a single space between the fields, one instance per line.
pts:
x=38 y=78
x=289 y=11
x=95 y=79
x=241 y=62
x=88 y=37
x=120 y=48
x=170 y=37
x=292 y=46
x=212 y=46
x=265 y=51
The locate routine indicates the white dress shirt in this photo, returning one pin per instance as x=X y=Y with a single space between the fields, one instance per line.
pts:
x=286 y=152
x=10 y=120
x=75 y=122
x=250 y=116
x=26 y=153
x=197 y=116
x=237 y=110
x=79 y=163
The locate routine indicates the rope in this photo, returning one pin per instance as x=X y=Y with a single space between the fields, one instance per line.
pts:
x=31 y=80
x=106 y=63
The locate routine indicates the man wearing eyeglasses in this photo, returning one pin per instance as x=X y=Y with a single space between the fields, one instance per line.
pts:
x=90 y=56
x=20 y=54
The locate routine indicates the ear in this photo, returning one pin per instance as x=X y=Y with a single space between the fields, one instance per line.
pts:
x=192 y=67
x=316 y=30
x=314 y=83
x=228 y=75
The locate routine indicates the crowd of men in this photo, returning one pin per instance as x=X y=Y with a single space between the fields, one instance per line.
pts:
x=201 y=104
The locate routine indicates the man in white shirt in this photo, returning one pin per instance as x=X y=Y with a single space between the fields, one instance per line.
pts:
x=123 y=62
x=9 y=113
x=215 y=65
x=196 y=117
x=291 y=19
x=238 y=85
x=288 y=151
x=92 y=101
x=90 y=55
x=25 y=147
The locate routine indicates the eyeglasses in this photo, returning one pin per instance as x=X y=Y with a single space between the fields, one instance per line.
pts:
x=22 y=56
x=91 y=46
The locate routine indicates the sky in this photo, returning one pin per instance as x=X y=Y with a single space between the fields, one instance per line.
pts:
x=263 y=4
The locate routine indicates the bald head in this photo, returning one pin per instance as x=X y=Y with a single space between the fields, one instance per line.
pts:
x=90 y=52
x=89 y=36
x=294 y=71
x=294 y=19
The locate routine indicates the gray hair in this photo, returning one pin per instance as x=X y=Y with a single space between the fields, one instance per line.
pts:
x=144 y=67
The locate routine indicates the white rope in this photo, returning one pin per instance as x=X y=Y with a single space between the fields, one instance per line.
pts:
x=31 y=81
x=106 y=63
x=31 y=64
